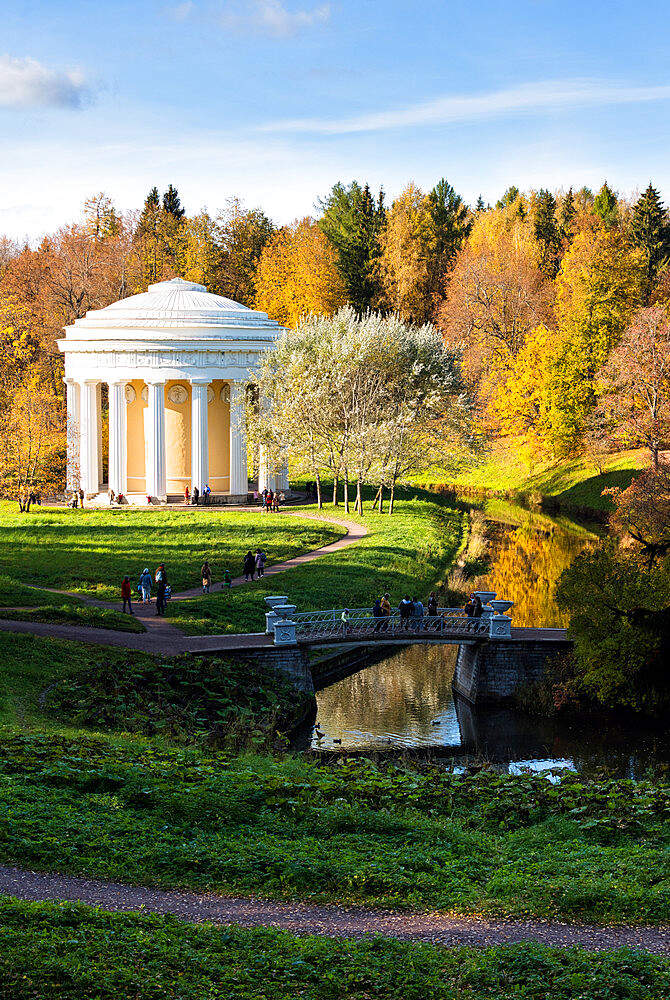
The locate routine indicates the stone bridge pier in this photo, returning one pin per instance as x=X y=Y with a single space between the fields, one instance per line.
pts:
x=491 y=671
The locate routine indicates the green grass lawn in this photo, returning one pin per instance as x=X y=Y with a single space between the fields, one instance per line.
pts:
x=89 y=551
x=409 y=552
x=64 y=950
x=574 y=482
x=68 y=614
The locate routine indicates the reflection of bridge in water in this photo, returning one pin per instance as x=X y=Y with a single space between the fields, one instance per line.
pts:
x=494 y=659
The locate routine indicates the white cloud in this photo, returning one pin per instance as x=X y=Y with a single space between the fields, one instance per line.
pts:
x=272 y=17
x=551 y=95
x=26 y=83
x=181 y=11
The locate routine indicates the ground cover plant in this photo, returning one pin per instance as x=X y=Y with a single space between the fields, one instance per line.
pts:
x=392 y=835
x=65 y=950
x=90 y=551
x=188 y=699
x=408 y=553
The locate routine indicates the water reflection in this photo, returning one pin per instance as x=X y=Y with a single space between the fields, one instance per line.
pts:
x=403 y=701
x=527 y=559
x=406 y=700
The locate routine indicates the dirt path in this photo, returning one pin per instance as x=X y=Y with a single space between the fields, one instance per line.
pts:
x=331 y=921
x=164 y=638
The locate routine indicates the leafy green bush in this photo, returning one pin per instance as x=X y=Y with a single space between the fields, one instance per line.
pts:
x=224 y=702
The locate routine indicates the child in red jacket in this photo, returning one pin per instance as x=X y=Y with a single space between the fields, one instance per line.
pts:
x=125 y=593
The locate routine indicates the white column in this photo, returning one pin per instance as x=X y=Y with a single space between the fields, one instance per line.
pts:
x=117 y=476
x=156 y=468
x=239 y=474
x=199 y=435
x=73 y=434
x=90 y=419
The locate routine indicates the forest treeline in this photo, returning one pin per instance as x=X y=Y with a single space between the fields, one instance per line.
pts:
x=556 y=303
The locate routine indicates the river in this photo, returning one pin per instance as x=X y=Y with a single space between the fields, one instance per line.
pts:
x=405 y=702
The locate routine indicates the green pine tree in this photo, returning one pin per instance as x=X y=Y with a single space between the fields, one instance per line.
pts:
x=651 y=233
x=352 y=220
x=451 y=224
x=606 y=206
x=172 y=203
x=546 y=232
x=567 y=214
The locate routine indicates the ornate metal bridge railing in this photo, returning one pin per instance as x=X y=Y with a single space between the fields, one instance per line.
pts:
x=361 y=624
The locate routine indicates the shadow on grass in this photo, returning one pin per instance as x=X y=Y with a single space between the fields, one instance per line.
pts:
x=589 y=491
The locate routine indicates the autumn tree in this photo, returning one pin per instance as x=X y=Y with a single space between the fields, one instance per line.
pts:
x=403 y=266
x=353 y=221
x=650 y=231
x=297 y=275
x=521 y=403
x=495 y=294
x=635 y=383
x=159 y=236
x=598 y=289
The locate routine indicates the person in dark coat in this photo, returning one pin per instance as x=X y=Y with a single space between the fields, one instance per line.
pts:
x=161 y=584
x=405 y=608
x=378 y=615
x=249 y=566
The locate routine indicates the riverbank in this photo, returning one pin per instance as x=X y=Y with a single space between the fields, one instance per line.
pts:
x=573 y=484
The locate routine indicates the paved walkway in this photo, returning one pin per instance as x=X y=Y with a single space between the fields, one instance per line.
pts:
x=162 y=636
x=330 y=921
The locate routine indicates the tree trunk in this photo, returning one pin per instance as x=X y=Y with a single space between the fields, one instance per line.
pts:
x=392 y=496
x=335 y=484
x=359 y=498
x=377 y=499
x=346 y=492
x=381 y=499
x=319 y=498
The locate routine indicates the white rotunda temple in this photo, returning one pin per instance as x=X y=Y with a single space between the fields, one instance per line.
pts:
x=175 y=359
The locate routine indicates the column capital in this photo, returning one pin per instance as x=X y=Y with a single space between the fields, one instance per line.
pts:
x=156 y=380
x=200 y=381
x=118 y=381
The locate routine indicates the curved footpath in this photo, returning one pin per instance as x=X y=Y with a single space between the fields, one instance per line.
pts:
x=164 y=638
x=330 y=921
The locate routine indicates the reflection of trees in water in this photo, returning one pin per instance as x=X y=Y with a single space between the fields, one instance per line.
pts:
x=525 y=566
x=399 y=695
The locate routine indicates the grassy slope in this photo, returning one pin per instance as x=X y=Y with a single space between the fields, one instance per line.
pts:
x=65 y=950
x=574 y=482
x=89 y=551
x=410 y=551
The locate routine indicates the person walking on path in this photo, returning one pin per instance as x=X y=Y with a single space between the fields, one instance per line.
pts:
x=186 y=495
x=249 y=566
x=405 y=609
x=386 y=611
x=194 y=496
x=206 y=575
x=125 y=594
x=345 y=619
x=227 y=581
x=378 y=615
x=417 y=614
x=161 y=584
x=260 y=561
x=145 y=584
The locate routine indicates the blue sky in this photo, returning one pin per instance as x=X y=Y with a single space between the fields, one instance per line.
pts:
x=274 y=101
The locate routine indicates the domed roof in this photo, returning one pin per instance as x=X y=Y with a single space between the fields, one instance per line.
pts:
x=175 y=304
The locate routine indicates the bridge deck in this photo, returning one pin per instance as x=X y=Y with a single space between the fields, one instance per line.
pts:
x=428 y=637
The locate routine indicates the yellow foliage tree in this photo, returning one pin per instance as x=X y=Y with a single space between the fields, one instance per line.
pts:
x=521 y=401
x=297 y=275
x=403 y=267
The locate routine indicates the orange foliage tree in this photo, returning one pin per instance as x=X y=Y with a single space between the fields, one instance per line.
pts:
x=297 y=275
